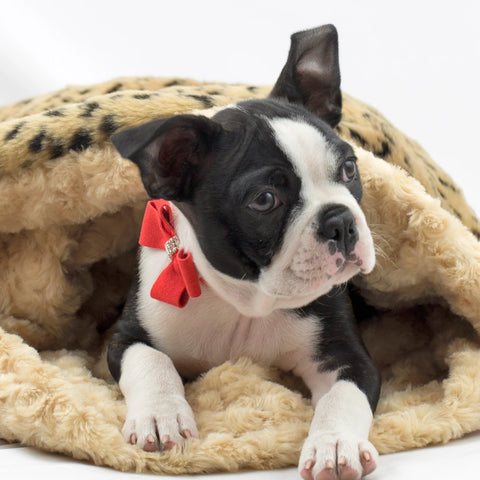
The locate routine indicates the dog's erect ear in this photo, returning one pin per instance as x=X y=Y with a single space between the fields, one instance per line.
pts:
x=311 y=75
x=168 y=152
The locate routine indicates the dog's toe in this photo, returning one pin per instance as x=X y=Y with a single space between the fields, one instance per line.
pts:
x=368 y=457
x=150 y=444
x=325 y=457
x=171 y=425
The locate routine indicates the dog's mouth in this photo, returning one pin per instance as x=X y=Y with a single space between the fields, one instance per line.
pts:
x=314 y=270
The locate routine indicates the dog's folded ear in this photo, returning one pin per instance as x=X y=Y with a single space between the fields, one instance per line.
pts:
x=311 y=75
x=168 y=152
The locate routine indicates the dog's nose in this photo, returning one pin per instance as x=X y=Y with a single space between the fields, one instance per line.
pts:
x=336 y=222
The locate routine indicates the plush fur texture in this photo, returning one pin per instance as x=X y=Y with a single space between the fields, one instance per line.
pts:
x=70 y=212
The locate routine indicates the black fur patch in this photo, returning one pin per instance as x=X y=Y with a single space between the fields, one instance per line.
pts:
x=128 y=331
x=80 y=140
x=340 y=346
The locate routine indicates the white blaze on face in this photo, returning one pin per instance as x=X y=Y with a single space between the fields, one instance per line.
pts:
x=305 y=266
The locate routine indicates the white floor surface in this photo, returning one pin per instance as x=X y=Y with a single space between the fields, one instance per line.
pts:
x=455 y=460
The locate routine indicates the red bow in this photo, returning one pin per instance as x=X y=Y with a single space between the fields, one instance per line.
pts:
x=179 y=281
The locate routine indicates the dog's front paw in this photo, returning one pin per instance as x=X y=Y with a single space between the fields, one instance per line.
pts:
x=160 y=426
x=335 y=457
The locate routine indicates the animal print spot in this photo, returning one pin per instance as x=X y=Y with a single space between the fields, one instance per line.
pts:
x=56 y=149
x=457 y=214
x=13 y=133
x=115 y=88
x=204 y=99
x=108 y=125
x=89 y=108
x=142 y=96
x=448 y=185
x=384 y=152
x=54 y=113
x=80 y=140
x=27 y=163
x=388 y=137
x=356 y=136
x=36 y=143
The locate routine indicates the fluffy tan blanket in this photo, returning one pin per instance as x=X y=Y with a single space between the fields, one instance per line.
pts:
x=70 y=210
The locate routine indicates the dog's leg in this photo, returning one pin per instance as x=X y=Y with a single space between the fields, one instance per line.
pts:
x=345 y=386
x=337 y=445
x=158 y=416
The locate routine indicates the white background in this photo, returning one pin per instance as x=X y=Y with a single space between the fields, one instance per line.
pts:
x=417 y=62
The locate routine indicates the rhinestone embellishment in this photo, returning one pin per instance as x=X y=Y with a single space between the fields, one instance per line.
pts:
x=172 y=246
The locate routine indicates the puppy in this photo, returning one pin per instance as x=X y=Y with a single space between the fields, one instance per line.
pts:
x=245 y=251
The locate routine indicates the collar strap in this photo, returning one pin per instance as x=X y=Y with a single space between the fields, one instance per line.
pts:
x=179 y=281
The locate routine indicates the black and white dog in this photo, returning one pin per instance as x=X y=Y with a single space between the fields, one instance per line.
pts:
x=260 y=223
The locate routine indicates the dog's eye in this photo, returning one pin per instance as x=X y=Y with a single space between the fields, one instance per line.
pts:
x=349 y=170
x=264 y=202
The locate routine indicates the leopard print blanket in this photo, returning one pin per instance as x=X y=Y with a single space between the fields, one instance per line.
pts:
x=70 y=212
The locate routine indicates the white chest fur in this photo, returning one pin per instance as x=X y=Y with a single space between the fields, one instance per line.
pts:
x=209 y=331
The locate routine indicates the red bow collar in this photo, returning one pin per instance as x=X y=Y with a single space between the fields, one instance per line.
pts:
x=179 y=281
